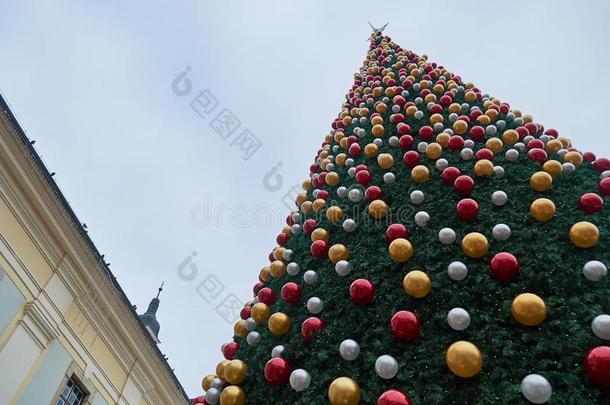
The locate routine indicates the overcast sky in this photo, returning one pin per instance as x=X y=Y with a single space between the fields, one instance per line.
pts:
x=92 y=83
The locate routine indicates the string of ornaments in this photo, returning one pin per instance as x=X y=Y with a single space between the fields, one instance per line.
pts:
x=449 y=134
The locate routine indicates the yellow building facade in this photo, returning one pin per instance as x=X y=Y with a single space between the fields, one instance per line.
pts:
x=68 y=333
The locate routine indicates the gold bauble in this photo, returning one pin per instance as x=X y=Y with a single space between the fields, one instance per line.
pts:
x=377 y=130
x=417 y=284
x=334 y=214
x=332 y=178
x=385 y=160
x=495 y=145
x=400 y=250
x=265 y=273
x=584 y=234
x=279 y=324
x=573 y=157
x=371 y=150
x=306 y=207
x=553 y=146
x=528 y=309
x=232 y=395
x=434 y=151
x=278 y=252
x=240 y=329
x=318 y=204
x=338 y=252
x=235 y=371
x=510 y=137
x=475 y=245
x=484 y=167
x=542 y=209
x=260 y=312
x=277 y=268
x=552 y=167
x=460 y=127
x=344 y=391
x=319 y=234
x=378 y=209
x=220 y=369
x=541 y=181
x=420 y=174
x=464 y=359
x=207 y=381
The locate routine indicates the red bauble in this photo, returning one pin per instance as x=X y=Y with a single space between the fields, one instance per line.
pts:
x=362 y=291
x=364 y=177
x=463 y=185
x=282 y=238
x=450 y=174
x=373 y=193
x=405 y=141
x=257 y=287
x=504 y=266
x=354 y=149
x=535 y=143
x=411 y=159
x=597 y=365
x=588 y=156
x=266 y=296
x=604 y=186
x=537 y=155
x=310 y=327
x=277 y=371
x=396 y=231
x=456 y=142
x=405 y=325
x=291 y=293
x=601 y=164
x=319 y=249
x=484 y=154
x=393 y=397
x=229 y=350
x=322 y=194
x=309 y=226
x=245 y=312
x=590 y=203
x=477 y=133
x=426 y=133
x=467 y=209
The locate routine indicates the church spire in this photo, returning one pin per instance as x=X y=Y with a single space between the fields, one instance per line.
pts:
x=149 y=318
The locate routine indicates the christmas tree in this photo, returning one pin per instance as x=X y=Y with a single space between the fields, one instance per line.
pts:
x=447 y=250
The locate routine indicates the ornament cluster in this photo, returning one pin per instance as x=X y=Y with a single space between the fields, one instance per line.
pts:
x=405 y=115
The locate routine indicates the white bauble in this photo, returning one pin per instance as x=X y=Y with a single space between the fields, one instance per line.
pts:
x=296 y=229
x=457 y=271
x=287 y=255
x=355 y=195
x=293 y=268
x=501 y=232
x=378 y=142
x=300 y=379
x=349 y=225
x=349 y=349
x=417 y=196
x=422 y=218
x=441 y=164
x=386 y=367
x=466 y=154
x=458 y=319
x=212 y=396
x=342 y=191
x=498 y=172
x=310 y=277
x=469 y=143
x=393 y=141
x=594 y=270
x=351 y=172
x=568 y=167
x=250 y=324
x=499 y=198
x=389 y=178
x=601 y=326
x=446 y=236
x=277 y=351
x=342 y=268
x=253 y=338
x=217 y=383
x=314 y=305
x=422 y=146
x=536 y=389
x=605 y=173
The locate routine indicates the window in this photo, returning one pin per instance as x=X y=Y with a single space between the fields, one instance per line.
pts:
x=72 y=394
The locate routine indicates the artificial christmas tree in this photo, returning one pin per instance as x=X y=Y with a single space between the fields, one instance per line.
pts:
x=447 y=250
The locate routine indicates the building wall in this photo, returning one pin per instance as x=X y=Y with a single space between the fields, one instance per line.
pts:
x=60 y=315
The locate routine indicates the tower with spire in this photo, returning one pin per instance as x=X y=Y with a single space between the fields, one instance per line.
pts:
x=149 y=318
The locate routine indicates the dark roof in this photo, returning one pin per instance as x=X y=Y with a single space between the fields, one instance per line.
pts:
x=6 y=111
